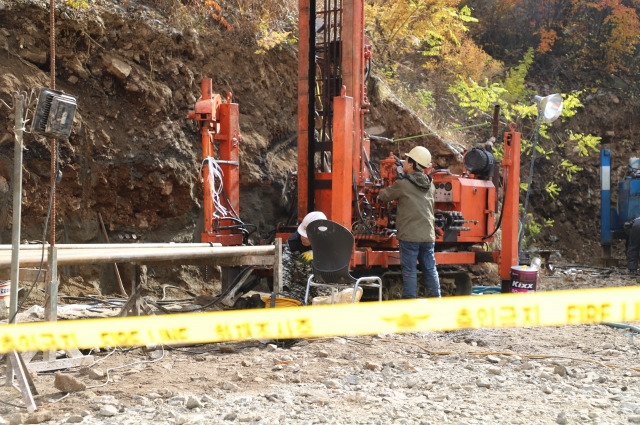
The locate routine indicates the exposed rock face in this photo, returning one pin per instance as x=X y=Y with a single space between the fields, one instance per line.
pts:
x=133 y=156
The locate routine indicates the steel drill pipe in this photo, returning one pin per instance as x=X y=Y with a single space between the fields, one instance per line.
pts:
x=112 y=245
x=31 y=258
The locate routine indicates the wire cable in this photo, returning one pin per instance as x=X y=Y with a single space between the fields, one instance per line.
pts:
x=504 y=195
x=127 y=365
x=486 y=123
x=13 y=405
x=214 y=178
x=623 y=326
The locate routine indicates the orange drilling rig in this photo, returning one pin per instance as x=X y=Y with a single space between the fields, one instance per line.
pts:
x=335 y=174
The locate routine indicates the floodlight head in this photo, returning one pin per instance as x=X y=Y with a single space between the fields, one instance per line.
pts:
x=54 y=114
x=549 y=106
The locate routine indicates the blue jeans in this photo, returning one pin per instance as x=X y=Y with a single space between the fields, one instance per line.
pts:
x=421 y=253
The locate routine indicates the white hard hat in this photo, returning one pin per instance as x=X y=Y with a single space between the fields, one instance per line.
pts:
x=312 y=216
x=421 y=156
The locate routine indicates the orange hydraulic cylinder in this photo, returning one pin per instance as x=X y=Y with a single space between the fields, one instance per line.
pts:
x=229 y=138
x=207 y=152
x=353 y=64
x=510 y=218
x=341 y=163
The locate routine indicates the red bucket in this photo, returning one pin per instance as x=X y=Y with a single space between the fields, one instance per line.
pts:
x=524 y=279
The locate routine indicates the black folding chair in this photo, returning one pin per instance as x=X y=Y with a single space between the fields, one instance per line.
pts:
x=332 y=245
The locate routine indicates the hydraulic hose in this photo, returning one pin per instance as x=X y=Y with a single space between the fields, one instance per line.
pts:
x=635 y=329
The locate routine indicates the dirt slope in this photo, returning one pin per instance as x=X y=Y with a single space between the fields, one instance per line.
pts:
x=133 y=155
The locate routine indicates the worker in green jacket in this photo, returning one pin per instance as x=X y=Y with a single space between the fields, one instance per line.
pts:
x=415 y=222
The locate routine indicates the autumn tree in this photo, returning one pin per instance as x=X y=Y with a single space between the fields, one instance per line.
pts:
x=569 y=36
x=425 y=43
x=605 y=34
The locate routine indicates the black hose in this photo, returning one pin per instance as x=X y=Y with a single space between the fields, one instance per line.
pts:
x=223 y=294
x=504 y=194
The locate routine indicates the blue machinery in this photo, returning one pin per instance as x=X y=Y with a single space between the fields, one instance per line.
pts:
x=612 y=219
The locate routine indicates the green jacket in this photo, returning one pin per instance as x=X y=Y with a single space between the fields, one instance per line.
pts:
x=415 y=218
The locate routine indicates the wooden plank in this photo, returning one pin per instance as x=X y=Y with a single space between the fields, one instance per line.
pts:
x=51 y=296
x=25 y=275
x=277 y=268
x=60 y=364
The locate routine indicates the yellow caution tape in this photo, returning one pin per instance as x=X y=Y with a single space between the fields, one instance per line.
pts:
x=486 y=311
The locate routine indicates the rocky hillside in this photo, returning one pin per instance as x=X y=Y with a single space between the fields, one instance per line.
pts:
x=133 y=156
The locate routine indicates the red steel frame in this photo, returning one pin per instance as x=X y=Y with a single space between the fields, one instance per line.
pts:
x=334 y=195
x=348 y=122
x=218 y=122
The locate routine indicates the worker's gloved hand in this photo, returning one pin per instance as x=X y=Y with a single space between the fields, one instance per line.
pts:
x=307 y=255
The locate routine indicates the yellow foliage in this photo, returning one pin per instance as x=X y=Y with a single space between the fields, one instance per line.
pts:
x=402 y=26
x=271 y=39
x=467 y=60
x=78 y=4
x=432 y=34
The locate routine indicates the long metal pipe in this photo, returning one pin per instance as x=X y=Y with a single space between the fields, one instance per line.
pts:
x=112 y=245
x=100 y=256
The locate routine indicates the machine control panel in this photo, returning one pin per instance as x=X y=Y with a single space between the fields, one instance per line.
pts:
x=444 y=192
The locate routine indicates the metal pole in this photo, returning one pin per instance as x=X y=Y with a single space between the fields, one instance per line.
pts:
x=18 y=102
x=19 y=99
x=101 y=256
x=529 y=180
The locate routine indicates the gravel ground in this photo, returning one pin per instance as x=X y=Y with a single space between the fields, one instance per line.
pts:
x=557 y=375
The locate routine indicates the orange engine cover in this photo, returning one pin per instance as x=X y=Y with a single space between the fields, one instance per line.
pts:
x=464 y=207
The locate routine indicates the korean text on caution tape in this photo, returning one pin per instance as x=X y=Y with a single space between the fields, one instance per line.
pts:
x=487 y=311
